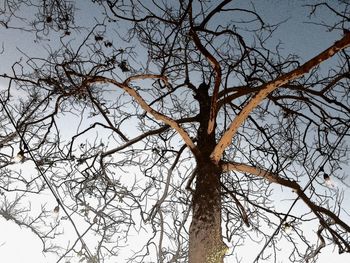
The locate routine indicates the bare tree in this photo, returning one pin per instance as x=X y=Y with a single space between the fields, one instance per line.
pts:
x=178 y=119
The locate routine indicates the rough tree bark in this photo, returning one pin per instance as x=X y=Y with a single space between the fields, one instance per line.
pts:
x=206 y=243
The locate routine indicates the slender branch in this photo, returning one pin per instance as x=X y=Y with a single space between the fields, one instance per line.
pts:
x=157 y=207
x=6 y=139
x=240 y=207
x=144 y=135
x=215 y=11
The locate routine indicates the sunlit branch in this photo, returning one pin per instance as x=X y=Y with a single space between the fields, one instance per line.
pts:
x=229 y=95
x=157 y=115
x=265 y=90
x=275 y=178
x=261 y=172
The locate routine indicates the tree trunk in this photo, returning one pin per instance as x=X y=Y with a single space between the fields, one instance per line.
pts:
x=206 y=243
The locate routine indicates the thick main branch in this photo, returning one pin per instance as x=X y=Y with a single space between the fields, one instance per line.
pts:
x=275 y=178
x=143 y=104
x=266 y=89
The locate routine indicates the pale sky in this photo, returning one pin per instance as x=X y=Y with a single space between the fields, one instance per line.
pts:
x=19 y=245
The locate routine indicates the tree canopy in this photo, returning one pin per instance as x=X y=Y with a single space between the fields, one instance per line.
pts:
x=181 y=125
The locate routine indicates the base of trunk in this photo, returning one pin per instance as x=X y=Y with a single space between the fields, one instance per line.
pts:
x=206 y=245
